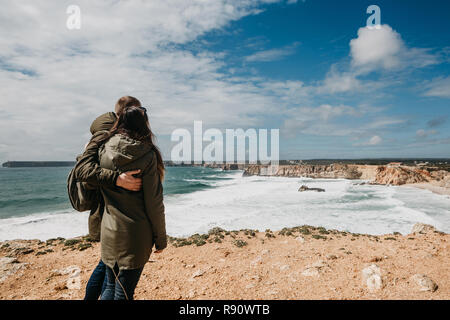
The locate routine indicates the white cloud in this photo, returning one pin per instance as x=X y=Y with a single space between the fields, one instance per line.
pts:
x=376 y=47
x=290 y=92
x=336 y=82
x=272 y=54
x=439 y=87
x=327 y=112
x=374 y=50
x=385 y=122
x=55 y=81
x=355 y=123
x=384 y=49
x=326 y=120
x=63 y=79
x=421 y=133
x=374 y=141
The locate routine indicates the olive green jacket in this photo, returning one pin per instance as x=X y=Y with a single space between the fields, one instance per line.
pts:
x=89 y=170
x=103 y=122
x=132 y=221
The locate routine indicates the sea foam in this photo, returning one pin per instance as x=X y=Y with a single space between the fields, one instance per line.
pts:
x=267 y=203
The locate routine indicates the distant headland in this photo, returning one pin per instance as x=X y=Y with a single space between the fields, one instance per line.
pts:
x=441 y=163
x=23 y=164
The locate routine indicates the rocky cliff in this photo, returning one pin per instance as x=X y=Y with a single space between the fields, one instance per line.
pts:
x=401 y=175
x=387 y=175
x=441 y=178
x=333 y=171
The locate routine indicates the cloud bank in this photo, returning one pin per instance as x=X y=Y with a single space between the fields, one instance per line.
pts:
x=56 y=81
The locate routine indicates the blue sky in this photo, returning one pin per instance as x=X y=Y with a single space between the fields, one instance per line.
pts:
x=334 y=88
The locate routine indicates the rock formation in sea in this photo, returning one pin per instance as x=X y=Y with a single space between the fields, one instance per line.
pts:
x=306 y=188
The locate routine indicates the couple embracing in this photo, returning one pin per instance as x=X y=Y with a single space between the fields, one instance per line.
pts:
x=123 y=164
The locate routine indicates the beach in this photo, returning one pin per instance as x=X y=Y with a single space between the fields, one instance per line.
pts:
x=433 y=187
x=293 y=263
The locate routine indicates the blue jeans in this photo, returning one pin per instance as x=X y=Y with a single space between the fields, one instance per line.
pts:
x=97 y=282
x=120 y=284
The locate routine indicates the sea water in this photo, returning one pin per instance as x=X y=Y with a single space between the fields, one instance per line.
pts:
x=34 y=204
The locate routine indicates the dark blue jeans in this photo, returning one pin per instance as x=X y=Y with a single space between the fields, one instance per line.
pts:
x=120 y=284
x=97 y=282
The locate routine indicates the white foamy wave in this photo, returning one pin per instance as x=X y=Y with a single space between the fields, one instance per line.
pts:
x=274 y=202
x=221 y=180
x=267 y=203
x=43 y=226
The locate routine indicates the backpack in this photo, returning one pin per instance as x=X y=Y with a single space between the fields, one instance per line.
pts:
x=82 y=195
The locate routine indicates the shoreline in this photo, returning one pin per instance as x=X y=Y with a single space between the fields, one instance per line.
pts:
x=294 y=263
x=430 y=187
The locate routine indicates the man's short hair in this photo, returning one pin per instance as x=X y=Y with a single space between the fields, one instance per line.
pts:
x=125 y=102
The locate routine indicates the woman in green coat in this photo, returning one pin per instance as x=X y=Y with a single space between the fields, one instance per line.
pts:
x=132 y=221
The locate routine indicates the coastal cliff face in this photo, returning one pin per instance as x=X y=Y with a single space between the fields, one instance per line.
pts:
x=441 y=178
x=401 y=175
x=386 y=175
x=333 y=171
x=411 y=175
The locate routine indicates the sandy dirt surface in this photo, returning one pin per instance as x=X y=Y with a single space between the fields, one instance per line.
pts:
x=296 y=263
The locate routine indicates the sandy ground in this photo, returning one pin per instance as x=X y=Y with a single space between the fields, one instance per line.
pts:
x=298 y=263
x=431 y=187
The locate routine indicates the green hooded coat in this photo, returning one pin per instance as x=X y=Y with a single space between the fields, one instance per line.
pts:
x=132 y=221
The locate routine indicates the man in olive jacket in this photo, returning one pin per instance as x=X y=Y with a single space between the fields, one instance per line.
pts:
x=90 y=171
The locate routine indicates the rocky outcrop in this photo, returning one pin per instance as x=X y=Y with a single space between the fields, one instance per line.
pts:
x=441 y=178
x=372 y=277
x=315 y=269
x=423 y=283
x=421 y=228
x=9 y=266
x=73 y=281
x=306 y=188
x=333 y=171
x=383 y=175
x=400 y=175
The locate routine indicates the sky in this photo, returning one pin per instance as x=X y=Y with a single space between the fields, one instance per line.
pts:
x=312 y=69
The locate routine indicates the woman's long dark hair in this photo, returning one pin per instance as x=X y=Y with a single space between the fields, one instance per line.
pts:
x=133 y=122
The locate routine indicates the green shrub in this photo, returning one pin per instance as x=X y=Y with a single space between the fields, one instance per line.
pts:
x=71 y=242
x=240 y=243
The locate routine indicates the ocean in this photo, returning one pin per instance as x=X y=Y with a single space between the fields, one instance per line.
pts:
x=34 y=204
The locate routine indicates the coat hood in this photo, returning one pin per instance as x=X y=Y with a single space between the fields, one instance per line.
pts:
x=121 y=150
